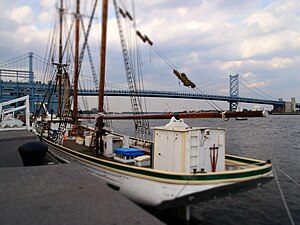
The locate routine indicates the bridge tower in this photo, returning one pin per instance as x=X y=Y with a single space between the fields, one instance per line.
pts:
x=233 y=91
x=31 y=77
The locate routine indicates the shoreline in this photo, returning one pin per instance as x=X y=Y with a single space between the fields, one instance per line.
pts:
x=295 y=113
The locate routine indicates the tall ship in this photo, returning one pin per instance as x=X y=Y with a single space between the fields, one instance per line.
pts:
x=175 y=165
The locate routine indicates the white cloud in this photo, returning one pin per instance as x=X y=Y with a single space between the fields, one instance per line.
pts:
x=248 y=74
x=47 y=4
x=231 y=65
x=198 y=26
x=258 y=46
x=45 y=17
x=279 y=63
x=270 y=45
x=22 y=15
x=269 y=64
x=264 y=21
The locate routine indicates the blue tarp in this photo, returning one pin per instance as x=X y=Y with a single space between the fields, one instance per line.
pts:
x=129 y=151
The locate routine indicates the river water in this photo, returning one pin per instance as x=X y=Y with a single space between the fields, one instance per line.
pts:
x=276 y=138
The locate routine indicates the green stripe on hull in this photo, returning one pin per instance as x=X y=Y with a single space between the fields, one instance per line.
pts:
x=162 y=175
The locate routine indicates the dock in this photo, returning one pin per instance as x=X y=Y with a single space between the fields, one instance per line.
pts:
x=58 y=194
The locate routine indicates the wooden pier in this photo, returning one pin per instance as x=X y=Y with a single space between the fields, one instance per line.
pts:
x=58 y=194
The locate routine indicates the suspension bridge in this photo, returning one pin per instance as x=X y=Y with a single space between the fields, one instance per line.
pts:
x=23 y=76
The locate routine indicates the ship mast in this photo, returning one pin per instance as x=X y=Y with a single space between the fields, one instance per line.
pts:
x=99 y=121
x=76 y=70
x=103 y=56
x=59 y=67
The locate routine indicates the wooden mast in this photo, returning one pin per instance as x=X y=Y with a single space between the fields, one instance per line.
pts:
x=76 y=71
x=99 y=120
x=103 y=56
x=59 y=67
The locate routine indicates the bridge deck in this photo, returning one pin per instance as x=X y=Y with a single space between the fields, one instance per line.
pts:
x=36 y=91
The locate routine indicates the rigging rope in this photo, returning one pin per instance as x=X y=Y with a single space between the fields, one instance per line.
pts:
x=132 y=64
x=171 y=202
x=50 y=51
x=138 y=61
x=210 y=102
x=181 y=76
x=164 y=57
x=295 y=182
x=68 y=42
x=86 y=36
x=283 y=199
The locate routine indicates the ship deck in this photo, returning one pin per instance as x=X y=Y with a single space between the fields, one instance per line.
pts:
x=231 y=164
x=71 y=144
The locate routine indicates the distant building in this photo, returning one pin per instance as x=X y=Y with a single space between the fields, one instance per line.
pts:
x=290 y=107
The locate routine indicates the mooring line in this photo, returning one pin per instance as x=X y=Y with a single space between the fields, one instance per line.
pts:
x=283 y=199
x=170 y=203
x=295 y=182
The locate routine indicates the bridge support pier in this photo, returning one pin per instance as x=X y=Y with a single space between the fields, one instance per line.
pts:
x=234 y=91
x=233 y=106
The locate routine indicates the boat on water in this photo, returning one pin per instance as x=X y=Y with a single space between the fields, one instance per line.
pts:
x=180 y=167
x=241 y=118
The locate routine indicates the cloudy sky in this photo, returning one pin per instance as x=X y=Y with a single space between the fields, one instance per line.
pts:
x=206 y=39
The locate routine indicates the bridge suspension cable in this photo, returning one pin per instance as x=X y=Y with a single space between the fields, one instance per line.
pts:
x=14 y=60
x=263 y=94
